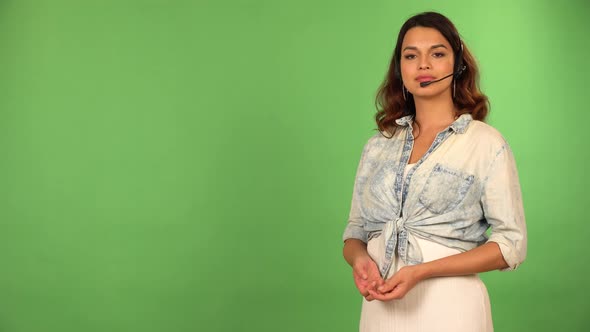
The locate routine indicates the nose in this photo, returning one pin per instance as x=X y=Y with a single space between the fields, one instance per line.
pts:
x=424 y=63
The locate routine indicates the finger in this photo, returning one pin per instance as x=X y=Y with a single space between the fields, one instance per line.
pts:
x=382 y=296
x=398 y=293
x=362 y=285
x=373 y=284
x=395 y=294
x=377 y=296
x=363 y=290
x=388 y=286
x=380 y=282
x=375 y=275
x=376 y=278
x=369 y=297
x=362 y=282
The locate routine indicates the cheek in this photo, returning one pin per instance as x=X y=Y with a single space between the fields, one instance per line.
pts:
x=407 y=71
x=449 y=66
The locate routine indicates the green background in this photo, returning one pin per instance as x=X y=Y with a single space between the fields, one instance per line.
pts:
x=188 y=165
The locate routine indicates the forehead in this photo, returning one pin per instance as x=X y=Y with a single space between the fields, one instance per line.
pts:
x=422 y=37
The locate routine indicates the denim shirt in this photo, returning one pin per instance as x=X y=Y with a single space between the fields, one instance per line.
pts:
x=465 y=183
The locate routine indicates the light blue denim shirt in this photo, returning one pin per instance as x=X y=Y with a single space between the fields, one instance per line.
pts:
x=465 y=183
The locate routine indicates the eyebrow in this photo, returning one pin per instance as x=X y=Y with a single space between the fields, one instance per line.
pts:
x=431 y=47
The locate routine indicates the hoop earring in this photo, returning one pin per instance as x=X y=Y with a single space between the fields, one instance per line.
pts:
x=404 y=91
x=454 y=89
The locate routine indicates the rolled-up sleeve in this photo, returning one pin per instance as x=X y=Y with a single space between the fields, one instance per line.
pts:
x=503 y=209
x=355 y=227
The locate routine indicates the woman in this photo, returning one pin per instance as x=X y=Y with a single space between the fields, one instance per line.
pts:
x=428 y=186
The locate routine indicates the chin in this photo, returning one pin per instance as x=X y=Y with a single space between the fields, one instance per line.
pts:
x=428 y=93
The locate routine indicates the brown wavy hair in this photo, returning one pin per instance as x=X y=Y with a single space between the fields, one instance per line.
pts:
x=468 y=98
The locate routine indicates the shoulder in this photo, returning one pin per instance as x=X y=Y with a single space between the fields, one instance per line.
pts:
x=385 y=136
x=377 y=138
x=374 y=141
x=382 y=139
x=482 y=133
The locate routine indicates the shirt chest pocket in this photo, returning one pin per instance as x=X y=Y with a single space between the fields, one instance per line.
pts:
x=445 y=188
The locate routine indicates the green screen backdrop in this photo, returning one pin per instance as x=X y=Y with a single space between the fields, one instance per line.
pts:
x=170 y=165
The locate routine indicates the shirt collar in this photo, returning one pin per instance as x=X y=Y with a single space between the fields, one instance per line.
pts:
x=404 y=121
x=459 y=126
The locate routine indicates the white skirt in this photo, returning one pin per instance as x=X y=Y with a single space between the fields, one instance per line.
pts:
x=441 y=304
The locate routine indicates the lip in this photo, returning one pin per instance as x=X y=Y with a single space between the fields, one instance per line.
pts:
x=424 y=78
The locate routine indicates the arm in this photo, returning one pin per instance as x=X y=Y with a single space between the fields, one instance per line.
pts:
x=353 y=249
x=506 y=248
x=364 y=270
x=486 y=257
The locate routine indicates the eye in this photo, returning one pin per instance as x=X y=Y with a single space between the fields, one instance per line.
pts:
x=438 y=55
x=409 y=56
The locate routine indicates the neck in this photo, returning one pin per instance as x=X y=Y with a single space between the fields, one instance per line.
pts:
x=435 y=112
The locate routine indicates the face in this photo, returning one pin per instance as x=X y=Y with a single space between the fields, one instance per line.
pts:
x=426 y=55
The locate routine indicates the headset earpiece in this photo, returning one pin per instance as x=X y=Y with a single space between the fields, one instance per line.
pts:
x=459 y=67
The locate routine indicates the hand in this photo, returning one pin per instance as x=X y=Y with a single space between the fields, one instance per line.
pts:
x=398 y=285
x=366 y=276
